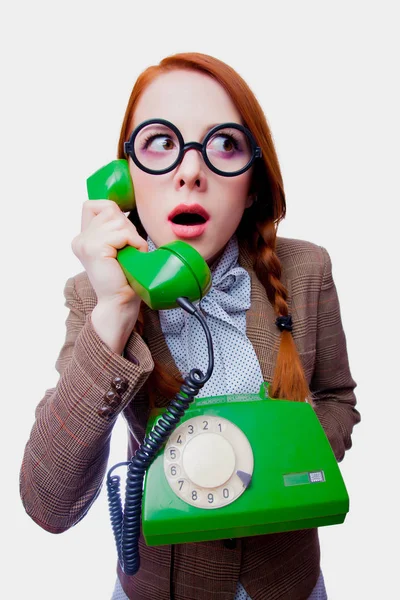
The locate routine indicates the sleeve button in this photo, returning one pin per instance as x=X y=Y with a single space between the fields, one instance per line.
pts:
x=119 y=384
x=106 y=412
x=112 y=398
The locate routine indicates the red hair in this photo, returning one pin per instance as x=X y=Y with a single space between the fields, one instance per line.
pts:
x=259 y=223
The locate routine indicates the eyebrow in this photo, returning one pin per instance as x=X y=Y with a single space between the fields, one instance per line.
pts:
x=219 y=123
x=205 y=130
x=209 y=127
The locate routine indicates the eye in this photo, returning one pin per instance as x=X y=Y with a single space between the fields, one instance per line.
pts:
x=159 y=142
x=224 y=143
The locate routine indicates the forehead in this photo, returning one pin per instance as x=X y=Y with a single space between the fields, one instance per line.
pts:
x=189 y=99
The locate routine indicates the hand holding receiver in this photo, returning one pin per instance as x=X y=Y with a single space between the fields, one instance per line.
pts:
x=159 y=277
x=105 y=229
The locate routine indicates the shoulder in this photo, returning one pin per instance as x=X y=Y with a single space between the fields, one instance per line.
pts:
x=289 y=247
x=79 y=291
x=300 y=257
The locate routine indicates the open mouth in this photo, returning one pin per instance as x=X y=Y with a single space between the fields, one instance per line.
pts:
x=188 y=220
x=189 y=214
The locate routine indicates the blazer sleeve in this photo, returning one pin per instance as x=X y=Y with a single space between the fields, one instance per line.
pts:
x=66 y=455
x=332 y=385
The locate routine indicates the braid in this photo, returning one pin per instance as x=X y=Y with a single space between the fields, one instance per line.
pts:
x=268 y=267
x=289 y=381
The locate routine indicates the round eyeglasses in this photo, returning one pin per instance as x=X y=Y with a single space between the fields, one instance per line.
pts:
x=157 y=146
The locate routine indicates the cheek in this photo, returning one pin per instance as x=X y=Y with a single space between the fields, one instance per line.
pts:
x=142 y=182
x=145 y=188
x=236 y=192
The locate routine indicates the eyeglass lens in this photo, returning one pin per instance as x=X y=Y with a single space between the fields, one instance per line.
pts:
x=157 y=147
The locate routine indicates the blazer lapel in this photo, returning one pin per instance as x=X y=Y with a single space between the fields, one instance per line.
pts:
x=154 y=337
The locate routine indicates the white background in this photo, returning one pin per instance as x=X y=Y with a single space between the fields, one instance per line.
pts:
x=326 y=74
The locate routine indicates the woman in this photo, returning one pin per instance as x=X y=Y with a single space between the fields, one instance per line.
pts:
x=204 y=169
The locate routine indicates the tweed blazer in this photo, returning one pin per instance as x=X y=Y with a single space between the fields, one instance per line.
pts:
x=66 y=455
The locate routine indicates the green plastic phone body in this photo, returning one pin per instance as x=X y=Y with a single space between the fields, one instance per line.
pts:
x=296 y=482
x=158 y=277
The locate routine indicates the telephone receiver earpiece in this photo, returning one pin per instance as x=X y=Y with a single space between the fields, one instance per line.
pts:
x=160 y=277
x=113 y=182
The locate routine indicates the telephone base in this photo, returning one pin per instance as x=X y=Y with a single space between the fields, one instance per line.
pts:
x=293 y=481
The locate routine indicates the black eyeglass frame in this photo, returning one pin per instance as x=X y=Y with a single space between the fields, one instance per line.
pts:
x=129 y=147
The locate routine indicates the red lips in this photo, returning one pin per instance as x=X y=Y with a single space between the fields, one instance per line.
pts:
x=188 y=208
x=188 y=231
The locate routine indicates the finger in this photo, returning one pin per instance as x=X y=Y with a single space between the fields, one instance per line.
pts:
x=118 y=240
x=92 y=208
x=134 y=239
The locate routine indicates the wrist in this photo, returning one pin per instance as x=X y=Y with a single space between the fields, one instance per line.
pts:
x=114 y=321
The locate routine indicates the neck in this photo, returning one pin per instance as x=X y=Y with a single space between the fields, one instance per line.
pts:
x=214 y=259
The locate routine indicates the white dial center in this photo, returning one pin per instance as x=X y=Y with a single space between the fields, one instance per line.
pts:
x=209 y=460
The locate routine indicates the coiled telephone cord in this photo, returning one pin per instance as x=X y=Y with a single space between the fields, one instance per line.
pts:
x=126 y=523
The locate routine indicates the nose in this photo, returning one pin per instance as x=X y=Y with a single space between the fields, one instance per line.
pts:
x=191 y=171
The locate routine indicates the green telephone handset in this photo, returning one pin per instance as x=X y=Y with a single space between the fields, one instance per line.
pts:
x=218 y=467
x=175 y=269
